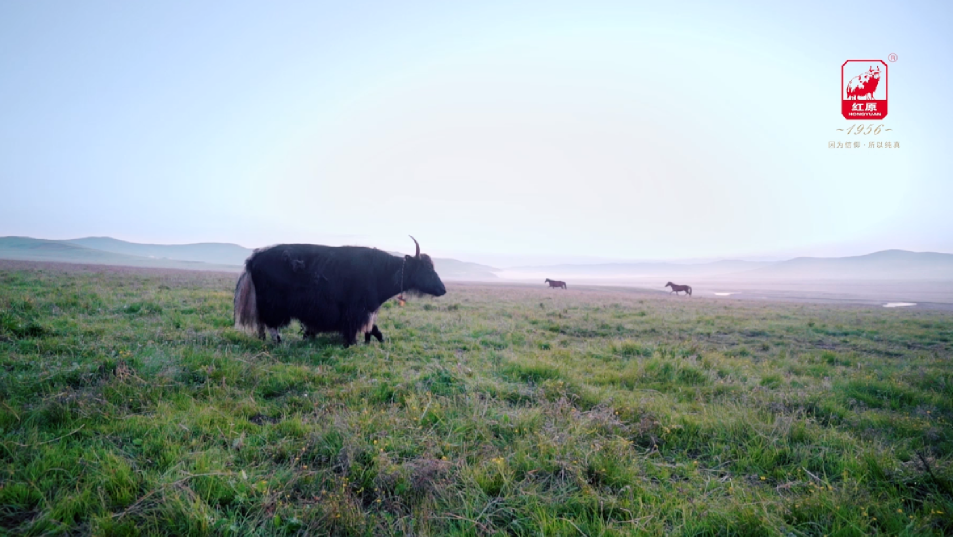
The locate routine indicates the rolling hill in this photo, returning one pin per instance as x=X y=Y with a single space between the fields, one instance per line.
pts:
x=897 y=265
x=887 y=265
x=210 y=252
x=29 y=249
x=636 y=270
x=883 y=265
x=200 y=256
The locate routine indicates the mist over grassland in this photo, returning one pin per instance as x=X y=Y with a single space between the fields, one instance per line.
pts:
x=202 y=256
x=892 y=275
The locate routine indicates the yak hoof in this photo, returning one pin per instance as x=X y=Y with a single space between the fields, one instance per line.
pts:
x=376 y=332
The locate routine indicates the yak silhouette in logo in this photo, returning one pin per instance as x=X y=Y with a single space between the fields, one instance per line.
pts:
x=864 y=85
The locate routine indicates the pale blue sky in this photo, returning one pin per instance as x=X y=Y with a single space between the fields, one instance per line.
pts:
x=621 y=130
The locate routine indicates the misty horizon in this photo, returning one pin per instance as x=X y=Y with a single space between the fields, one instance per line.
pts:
x=525 y=262
x=605 y=269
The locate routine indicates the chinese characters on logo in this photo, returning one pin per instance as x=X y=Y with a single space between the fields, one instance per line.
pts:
x=864 y=107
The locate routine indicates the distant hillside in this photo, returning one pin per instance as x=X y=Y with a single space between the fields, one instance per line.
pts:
x=29 y=249
x=200 y=256
x=451 y=269
x=210 y=252
x=636 y=270
x=885 y=265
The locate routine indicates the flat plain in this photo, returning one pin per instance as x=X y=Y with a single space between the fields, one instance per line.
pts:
x=130 y=406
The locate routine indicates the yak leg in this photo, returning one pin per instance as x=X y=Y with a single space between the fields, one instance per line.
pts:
x=370 y=329
x=275 y=335
x=376 y=332
x=350 y=338
x=261 y=331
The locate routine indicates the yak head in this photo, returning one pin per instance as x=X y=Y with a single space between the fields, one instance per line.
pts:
x=420 y=275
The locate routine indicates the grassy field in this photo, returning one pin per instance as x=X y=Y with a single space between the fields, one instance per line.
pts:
x=129 y=405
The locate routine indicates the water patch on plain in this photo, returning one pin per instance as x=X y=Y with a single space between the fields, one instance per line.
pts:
x=899 y=304
x=726 y=294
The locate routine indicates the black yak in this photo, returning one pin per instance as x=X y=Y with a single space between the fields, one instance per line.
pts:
x=555 y=283
x=327 y=288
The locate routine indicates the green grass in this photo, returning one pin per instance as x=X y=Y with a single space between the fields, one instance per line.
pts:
x=129 y=406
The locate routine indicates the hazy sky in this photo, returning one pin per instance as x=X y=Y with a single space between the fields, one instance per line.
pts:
x=619 y=130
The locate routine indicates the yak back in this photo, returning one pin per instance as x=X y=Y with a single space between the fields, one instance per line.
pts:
x=327 y=288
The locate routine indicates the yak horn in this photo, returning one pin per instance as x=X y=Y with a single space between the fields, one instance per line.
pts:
x=418 y=245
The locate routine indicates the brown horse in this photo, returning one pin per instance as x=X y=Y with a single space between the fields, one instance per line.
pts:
x=555 y=283
x=677 y=288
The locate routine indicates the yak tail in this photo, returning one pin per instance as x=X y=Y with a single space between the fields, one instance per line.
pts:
x=689 y=290
x=246 y=307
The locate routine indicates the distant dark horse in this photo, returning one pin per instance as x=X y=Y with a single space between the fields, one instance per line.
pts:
x=555 y=284
x=677 y=288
